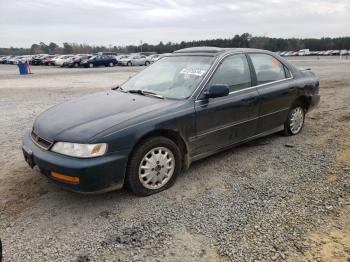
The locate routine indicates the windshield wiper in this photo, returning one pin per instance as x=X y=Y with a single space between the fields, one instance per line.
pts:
x=118 y=88
x=145 y=93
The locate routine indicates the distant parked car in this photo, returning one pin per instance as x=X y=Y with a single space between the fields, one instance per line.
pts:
x=151 y=58
x=344 y=52
x=3 y=59
x=329 y=52
x=38 y=59
x=134 y=60
x=61 y=59
x=107 y=53
x=336 y=52
x=119 y=57
x=75 y=61
x=99 y=60
x=160 y=56
x=304 y=52
x=289 y=53
x=48 y=60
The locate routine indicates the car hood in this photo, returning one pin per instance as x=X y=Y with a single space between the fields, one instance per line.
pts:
x=79 y=120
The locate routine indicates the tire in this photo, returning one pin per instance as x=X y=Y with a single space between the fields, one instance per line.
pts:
x=91 y=65
x=295 y=120
x=129 y=63
x=150 y=149
x=76 y=65
x=147 y=63
x=111 y=64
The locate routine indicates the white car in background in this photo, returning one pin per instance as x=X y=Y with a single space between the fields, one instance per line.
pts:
x=58 y=61
x=151 y=58
x=134 y=60
x=120 y=57
x=304 y=52
x=156 y=58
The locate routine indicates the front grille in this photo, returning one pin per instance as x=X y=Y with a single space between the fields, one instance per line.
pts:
x=40 y=141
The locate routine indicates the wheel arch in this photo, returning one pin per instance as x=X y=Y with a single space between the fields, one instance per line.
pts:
x=304 y=101
x=173 y=135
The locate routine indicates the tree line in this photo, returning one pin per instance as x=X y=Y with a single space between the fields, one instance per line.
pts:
x=245 y=40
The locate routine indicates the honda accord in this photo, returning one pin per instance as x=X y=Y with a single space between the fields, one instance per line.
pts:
x=186 y=106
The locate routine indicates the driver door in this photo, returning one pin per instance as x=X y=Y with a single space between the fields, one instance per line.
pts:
x=227 y=120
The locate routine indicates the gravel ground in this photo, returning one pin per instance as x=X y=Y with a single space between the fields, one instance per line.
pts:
x=276 y=198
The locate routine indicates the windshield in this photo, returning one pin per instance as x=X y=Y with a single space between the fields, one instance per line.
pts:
x=171 y=77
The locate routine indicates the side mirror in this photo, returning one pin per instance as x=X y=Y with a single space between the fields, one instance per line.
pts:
x=217 y=91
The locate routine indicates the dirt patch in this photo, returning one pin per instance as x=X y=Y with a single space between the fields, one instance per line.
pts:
x=331 y=243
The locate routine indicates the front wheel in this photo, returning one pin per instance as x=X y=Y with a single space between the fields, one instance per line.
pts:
x=91 y=65
x=295 y=121
x=154 y=166
x=129 y=63
x=111 y=64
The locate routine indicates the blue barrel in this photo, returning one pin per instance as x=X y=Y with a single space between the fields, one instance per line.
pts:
x=23 y=69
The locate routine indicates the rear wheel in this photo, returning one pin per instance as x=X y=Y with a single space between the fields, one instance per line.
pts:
x=154 y=166
x=111 y=64
x=146 y=63
x=295 y=121
x=128 y=63
x=91 y=65
x=76 y=65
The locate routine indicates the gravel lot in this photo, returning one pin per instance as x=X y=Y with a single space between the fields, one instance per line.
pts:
x=276 y=198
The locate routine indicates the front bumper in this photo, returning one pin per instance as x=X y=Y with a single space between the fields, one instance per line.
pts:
x=98 y=174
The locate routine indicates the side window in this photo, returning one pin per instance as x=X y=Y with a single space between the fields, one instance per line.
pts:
x=234 y=72
x=267 y=68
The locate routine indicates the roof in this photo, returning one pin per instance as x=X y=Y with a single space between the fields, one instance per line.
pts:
x=212 y=50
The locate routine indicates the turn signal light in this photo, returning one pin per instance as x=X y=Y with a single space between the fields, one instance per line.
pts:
x=72 y=179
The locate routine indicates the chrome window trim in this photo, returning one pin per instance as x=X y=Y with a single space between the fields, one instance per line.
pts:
x=252 y=87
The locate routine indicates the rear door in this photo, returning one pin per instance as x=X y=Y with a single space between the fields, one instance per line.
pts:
x=227 y=120
x=273 y=82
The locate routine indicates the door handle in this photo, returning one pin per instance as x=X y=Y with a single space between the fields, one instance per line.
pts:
x=248 y=101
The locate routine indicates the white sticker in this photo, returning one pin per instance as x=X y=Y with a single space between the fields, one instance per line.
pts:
x=192 y=71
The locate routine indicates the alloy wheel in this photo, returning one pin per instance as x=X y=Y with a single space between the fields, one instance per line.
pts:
x=296 y=120
x=156 y=168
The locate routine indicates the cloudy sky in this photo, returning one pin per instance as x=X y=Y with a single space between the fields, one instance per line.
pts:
x=121 y=22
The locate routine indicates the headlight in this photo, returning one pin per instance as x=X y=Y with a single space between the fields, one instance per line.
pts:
x=79 y=150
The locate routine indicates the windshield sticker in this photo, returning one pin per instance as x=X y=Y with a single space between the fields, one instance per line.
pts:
x=192 y=71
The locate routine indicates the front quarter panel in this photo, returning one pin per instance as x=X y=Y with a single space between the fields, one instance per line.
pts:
x=124 y=137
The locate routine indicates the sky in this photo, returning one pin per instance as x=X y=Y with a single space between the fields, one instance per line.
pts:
x=123 y=22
